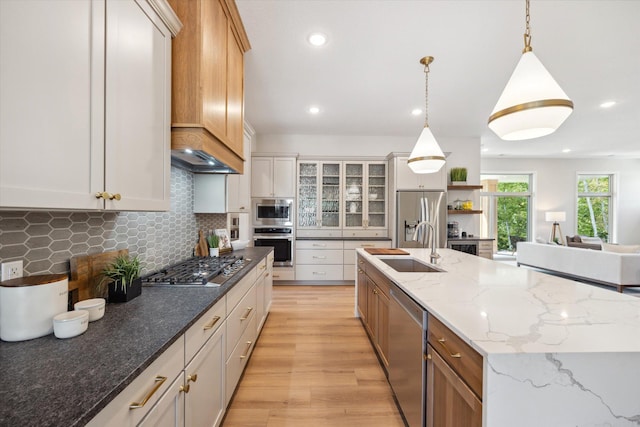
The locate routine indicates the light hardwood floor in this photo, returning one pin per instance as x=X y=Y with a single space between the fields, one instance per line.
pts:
x=313 y=366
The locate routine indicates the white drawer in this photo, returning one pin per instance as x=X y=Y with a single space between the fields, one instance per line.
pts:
x=366 y=233
x=238 y=359
x=151 y=384
x=307 y=256
x=199 y=333
x=236 y=293
x=349 y=272
x=284 y=273
x=319 y=244
x=240 y=317
x=355 y=244
x=318 y=233
x=319 y=272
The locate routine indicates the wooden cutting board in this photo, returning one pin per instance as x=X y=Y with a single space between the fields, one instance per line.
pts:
x=86 y=274
x=386 y=251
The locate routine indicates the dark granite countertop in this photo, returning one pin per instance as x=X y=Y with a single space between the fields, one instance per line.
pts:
x=53 y=382
x=345 y=238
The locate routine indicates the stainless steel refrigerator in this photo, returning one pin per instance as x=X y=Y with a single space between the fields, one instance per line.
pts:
x=413 y=207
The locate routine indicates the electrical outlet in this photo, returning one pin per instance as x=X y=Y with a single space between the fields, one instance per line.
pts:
x=11 y=270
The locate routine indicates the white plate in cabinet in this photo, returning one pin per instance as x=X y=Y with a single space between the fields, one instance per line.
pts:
x=319 y=272
x=239 y=318
x=319 y=244
x=330 y=256
x=144 y=391
x=205 y=327
x=238 y=359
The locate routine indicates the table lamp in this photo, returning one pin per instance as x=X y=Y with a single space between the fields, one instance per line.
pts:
x=556 y=218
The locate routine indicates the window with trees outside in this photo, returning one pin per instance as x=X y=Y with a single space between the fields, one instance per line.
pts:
x=506 y=206
x=594 y=207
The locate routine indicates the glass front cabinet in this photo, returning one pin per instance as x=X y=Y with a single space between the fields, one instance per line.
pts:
x=319 y=199
x=365 y=199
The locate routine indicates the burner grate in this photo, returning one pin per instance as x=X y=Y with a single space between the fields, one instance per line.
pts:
x=212 y=271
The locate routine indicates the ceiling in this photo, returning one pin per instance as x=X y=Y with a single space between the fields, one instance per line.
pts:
x=367 y=78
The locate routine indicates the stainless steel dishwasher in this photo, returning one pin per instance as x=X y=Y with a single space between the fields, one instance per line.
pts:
x=407 y=367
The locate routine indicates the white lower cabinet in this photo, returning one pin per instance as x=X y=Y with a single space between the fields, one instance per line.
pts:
x=192 y=382
x=134 y=402
x=169 y=411
x=205 y=398
x=349 y=254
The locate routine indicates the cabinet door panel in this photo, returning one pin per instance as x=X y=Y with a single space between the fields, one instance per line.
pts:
x=449 y=401
x=284 y=173
x=169 y=411
x=261 y=177
x=52 y=104
x=205 y=402
x=214 y=66
x=137 y=113
x=235 y=93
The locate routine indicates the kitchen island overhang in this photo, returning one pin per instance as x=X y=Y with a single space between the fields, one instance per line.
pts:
x=555 y=352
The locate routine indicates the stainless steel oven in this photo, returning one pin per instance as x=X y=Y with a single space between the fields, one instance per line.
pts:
x=277 y=212
x=281 y=239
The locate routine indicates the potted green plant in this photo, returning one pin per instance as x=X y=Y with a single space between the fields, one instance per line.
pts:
x=458 y=176
x=123 y=275
x=214 y=244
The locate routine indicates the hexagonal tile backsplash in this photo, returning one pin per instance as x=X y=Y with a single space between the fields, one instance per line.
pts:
x=45 y=241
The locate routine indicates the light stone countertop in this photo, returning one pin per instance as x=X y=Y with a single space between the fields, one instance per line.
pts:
x=556 y=352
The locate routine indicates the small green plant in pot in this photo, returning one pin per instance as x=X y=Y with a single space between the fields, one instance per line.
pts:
x=458 y=175
x=214 y=244
x=123 y=275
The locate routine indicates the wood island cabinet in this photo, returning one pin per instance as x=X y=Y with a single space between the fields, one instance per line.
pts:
x=84 y=117
x=208 y=80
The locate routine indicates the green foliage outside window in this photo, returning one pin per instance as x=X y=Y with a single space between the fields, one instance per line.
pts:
x=513 y=214
x=594 y=209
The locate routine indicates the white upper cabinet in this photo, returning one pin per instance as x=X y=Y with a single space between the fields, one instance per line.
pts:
x=406 y=179
x=85 y=106
x=209 y=193
x=239 y=186
x=273 y=177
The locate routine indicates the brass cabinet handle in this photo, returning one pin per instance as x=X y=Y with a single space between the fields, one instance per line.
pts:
x=319 y=245
x=319 y=257
x=262 y=267
x=185 y=388
x=193 y=378
x=360 y=262
x=427 y=356
x=242 y=208
x=443 y=341
x=367 y=245
x=158 y=382
x=276 y=276
x=211 y=324
x=246 y=315
x=267 y=275
x=246 y=352
x=108 y=196
x=320 y=273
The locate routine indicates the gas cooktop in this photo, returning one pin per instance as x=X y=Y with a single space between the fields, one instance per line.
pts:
x=197 y=271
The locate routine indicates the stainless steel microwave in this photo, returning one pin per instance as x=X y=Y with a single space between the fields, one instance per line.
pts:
x=272 y=212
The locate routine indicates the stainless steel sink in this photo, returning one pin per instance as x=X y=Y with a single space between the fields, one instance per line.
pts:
x=410 y=265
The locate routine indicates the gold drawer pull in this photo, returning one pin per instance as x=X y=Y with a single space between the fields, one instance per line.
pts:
x=319 y=245
x=360 y=262
x=427 y=356
x=108 y=196
x=246 y=315
x=366 y=245
x=262 y=267
x=246 y=352
x=276 y=276
x=319 y=257
x=185 y=388
x=212 y=323
x=320 y=273
x=455 y=356
x=193 y=378
x=158 y=382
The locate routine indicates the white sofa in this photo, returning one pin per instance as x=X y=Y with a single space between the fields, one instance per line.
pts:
x=609 y=268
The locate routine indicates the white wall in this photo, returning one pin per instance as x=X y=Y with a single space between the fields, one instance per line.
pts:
x=555 y=190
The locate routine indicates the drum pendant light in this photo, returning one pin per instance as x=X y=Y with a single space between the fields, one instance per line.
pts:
x=426 y=157
x=532 y=104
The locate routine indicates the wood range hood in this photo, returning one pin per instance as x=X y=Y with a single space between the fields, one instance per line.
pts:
x=207 y=91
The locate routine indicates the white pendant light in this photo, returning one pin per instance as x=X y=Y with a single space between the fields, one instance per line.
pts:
x=426 y=157
x=532 y=104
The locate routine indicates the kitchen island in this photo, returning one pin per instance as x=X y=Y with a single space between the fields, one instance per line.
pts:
x=554 y=352
x=53 y=382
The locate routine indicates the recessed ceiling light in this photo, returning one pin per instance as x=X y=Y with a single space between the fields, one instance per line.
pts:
x=317 y=39
x=416 y=112
x=566 y=150
x=608 y=104
x=314 y=110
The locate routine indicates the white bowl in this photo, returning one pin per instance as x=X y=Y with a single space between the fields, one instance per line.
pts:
x=95 y=307
x=71 y=323
x=239 y=244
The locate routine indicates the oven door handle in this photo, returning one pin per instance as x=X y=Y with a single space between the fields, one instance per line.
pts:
x=272 y=238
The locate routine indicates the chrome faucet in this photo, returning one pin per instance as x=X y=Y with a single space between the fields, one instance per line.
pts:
x=434 y=256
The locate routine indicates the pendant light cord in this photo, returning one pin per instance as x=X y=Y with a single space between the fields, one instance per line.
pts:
x=426 y=95
x=527 y=32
